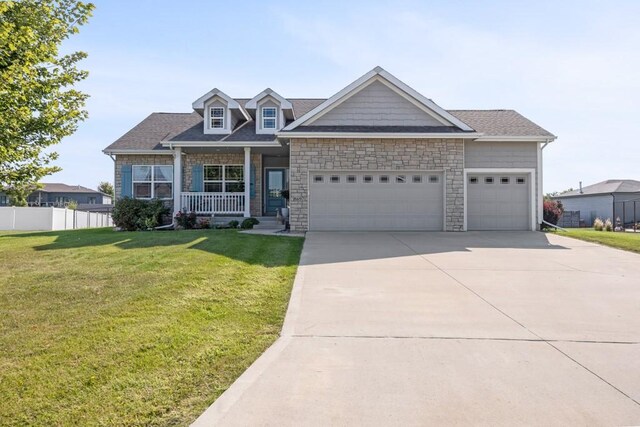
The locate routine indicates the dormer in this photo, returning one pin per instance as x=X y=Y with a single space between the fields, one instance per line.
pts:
x=270 y=111
x=221 y=113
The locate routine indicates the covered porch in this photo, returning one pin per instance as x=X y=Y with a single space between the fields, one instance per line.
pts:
x=230 y=180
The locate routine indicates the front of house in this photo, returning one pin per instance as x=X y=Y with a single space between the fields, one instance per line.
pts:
x=375 y=156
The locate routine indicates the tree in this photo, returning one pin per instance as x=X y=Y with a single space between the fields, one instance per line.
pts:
x=38 y=105
x=106 y=188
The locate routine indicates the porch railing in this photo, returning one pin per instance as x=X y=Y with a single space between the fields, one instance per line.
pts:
x=213 y=203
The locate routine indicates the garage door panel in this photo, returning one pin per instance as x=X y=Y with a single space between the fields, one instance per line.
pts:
x=400 y=203
x=498 y=205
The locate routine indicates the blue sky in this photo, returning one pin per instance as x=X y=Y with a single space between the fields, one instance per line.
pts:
x=572 y=67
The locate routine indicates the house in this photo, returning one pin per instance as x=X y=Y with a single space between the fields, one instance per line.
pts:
x=59 y=195
x=377 y=155
x=613 y=198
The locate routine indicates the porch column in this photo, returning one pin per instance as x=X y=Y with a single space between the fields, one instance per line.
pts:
x=177 y=180
x=247 y=181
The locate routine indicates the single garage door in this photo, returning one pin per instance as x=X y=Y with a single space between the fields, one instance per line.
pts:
x=498 y=202
x=376 y=200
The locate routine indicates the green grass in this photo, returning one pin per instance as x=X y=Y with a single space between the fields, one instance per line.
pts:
x=626 y=241
x=111 y=328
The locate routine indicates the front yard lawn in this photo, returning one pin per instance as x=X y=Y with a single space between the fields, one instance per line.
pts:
x=149 y=328
x=626 y=241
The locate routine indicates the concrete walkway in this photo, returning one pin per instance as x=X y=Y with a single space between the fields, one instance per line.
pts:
x=449 y=328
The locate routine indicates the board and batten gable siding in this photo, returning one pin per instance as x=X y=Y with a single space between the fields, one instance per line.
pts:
x=504 y=154
x=376 y=105
x=590 y=207
x=311 y=154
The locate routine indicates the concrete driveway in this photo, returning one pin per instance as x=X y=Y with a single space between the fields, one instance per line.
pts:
x=450 y=328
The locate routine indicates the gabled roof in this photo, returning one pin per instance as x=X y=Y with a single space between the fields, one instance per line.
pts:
x=252 y=104
x=379 y=74
x=606 y=187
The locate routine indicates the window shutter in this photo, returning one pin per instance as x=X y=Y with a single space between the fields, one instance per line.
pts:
x=252 y=182
x=125 y=173
x=197 y=178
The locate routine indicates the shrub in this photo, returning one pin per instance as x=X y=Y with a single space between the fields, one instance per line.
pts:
x=608 y=225
x=552 y=210
x=248 y=223
x=134 y=215
x=598 y=225
x=203 y=223
x=186 y=220
x=233 y=224
x=72 y=204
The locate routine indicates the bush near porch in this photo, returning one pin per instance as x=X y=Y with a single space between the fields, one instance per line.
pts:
x=127 y=328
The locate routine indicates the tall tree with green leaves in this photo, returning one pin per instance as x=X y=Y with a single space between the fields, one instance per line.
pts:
x=106 y=188
x=38 y=104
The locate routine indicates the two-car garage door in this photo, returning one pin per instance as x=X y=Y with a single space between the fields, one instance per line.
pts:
x=398 y=200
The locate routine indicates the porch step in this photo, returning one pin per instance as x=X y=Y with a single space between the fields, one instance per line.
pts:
x=268 y=223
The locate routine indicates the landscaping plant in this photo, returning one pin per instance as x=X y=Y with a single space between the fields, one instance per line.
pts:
x=552 y=211
x=135 y=215
x=248 y=223
x=598 y=224
x=186 y=220
x=608 y=225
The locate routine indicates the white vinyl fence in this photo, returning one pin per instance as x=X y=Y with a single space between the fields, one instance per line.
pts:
x=50 y=219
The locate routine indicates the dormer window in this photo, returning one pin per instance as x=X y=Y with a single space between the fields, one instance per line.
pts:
x=217 y=117
x=268 y=117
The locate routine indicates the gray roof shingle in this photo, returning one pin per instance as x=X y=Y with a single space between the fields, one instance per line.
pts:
x=606 y=187
x=56 y=187
x=500 y=123
x=158 y=127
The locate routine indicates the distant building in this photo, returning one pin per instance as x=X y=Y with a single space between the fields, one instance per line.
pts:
x=59 y=195
x=605 y=199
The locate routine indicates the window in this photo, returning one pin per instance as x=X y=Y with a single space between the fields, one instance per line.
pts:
x=401 y=179
x=367 y=179
x=217 y=117
x=488 y=180
x=473 y=180
x=504 y=180
x=92 y=200
x=318 y=178
x=520 y=180
x=153 y=182
x=384 y=178
x=351 y=178
x=433 y=179
x=4 y=200
x=268 y=118
x=335 y=179
x=223 y=179
x=417 y=179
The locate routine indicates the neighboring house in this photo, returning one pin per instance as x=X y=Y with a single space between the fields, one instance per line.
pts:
x=375 y=156
x=604 y=200
x=59 y=195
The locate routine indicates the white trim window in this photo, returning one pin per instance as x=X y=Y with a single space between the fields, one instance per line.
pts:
x=152 y=182
x=269 y=117
x=223 y=178
x=216 y=114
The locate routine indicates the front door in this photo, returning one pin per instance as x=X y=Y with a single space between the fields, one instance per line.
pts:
x=275 y=182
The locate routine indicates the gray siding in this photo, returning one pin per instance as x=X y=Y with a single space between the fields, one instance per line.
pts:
x=590 y=207
x=500 y=154
x=505 y=155
x=376 y=105
x=628 y=215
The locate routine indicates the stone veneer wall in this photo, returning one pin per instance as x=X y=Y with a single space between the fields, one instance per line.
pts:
x=377 y=154
x=188 y=161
